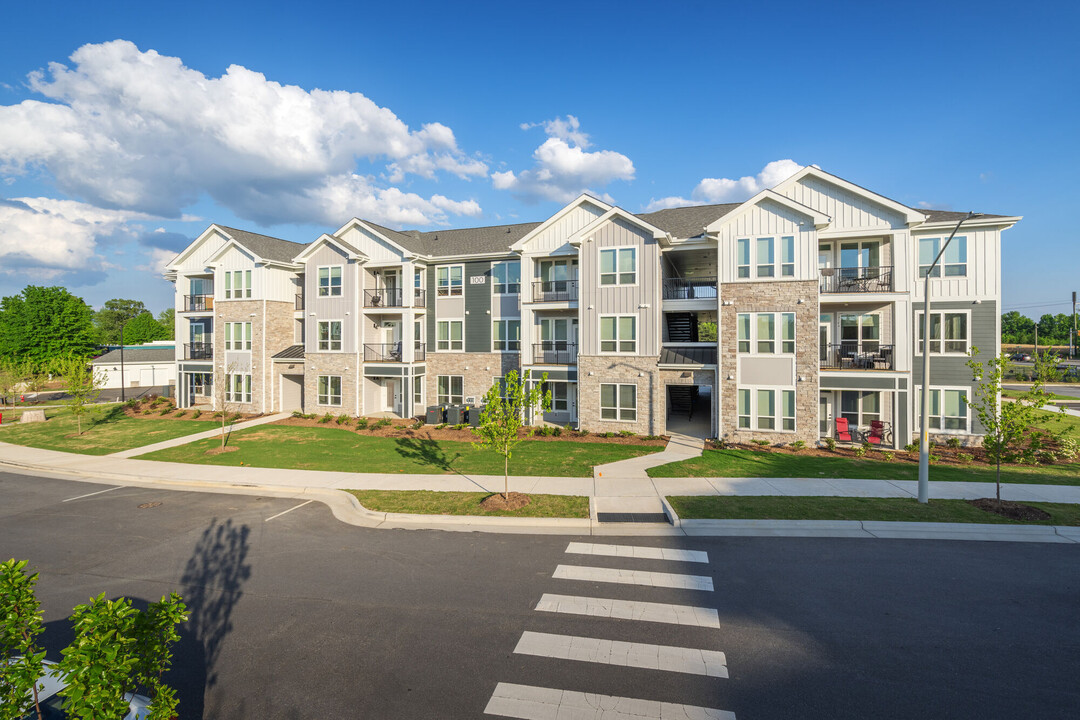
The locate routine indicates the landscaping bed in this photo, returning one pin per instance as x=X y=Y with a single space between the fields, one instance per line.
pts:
x=428 y=502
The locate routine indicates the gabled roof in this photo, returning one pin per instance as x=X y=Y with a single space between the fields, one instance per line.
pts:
x=406 y=242
x=820 y=219
x=937 y=216
x=568 y=208
x=264 y=246
x=687 y=222
x=493 y=239
x=166 y=354
x=612 y=214
x=346 y=247
x=911 y=216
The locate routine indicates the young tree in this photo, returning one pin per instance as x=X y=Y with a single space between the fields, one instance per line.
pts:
x=20 y=625
x=504 y=415
x=9 y=380
x=83 y=385
x=99 y=664
x=223 y=393
x=1005 y=422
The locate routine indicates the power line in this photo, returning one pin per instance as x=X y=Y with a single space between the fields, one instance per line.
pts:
x=1036 y=305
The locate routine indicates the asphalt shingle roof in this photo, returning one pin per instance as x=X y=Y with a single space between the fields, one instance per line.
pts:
x=293 y=352
x=687 y=222
x=266 y=247
x=934 y=216
x=687 y=356
x=138 y=355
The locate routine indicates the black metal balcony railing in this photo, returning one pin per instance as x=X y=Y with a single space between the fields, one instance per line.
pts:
x=382 y=352
x=694 y=288
x=554 y=352
x=419 y=297
x=198 y=303
x=299 y=301
x=555 y=290
x=865 y=355
x=198 y=351
x=383 y=297
x=857 y=280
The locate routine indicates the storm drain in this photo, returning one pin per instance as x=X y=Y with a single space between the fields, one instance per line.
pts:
x=624 y=517
x=145 y=506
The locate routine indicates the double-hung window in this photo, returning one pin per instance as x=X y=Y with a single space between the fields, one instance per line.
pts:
x=237 y=336
x=506 y=278
x=760 y=255
x=618 y=402
x=953 y=262
x=451 y=389
x=742 y=257
x=449 y=335
x=948 y=410
x=948 y=332
x=448 y=280
x=418 y=390
x=787 y=256
x=766 y=333
x=766 y=263
x=618 y=266
x=330 y=335
x=237 y=284
x=766 y=409
x=330 y=281
x=618 y=333
x=330 y=390
x=238 y=388
x=506 y=335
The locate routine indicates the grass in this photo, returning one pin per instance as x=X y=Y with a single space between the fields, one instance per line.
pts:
x=428 y=502
x=104 y=432
x=329 y=448
x=1049 y=396
x=714 y=507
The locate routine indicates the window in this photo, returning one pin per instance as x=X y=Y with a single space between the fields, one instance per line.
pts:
x=955 y=328
x=766 y=409
x=506 y=335
x=760 y=254
x=765 y=266
x=418 y=391
x=618 y=402
x=787 y=256
x=860 y=408
x=860 y=333
x=330 y=281
x=759 y=331
x=497 y=381
x=948 y=410
x=618 y=266
x=742 y=257
x=330 y=390
x=954 y=261
x=448 y=335
x=238 y=388
x=618 y=333
x=506 y=278
x=451 y=389
x=744 y=409
x=330 y=335
x=237 y=284
x=237 y=336
x=448 y=280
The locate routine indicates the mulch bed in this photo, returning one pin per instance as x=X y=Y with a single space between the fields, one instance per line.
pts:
x=155 y=414
x=512 y=501
x=1010 y=509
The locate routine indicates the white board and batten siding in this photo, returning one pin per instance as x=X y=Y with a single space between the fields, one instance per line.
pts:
x=848 y=210
x=554 y=236
x=982 y=281
x=377 y=250
x=343 y=307
x=768 y=219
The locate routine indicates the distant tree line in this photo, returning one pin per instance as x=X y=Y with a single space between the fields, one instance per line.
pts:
x=1017 y=329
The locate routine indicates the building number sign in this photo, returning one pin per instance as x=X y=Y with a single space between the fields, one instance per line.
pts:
x=477 y=279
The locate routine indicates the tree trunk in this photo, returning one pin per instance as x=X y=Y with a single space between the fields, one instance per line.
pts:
x=506 y=477
x=999 y=479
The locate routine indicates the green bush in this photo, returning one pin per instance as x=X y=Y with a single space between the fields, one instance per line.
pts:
x=419 y=423
x=147 y=411
x=861 y=451
x=830 y=443
x=342 y=419
x=934 y=458
x=362 y=423
x=607 y=434
x=628 y=433
x=166 y=410
x=297 y=414
x=384 y=422
x=761 y=443
x=965 y=458
x=582 y=432
x=196 y=413
x=133 y=402
x=440 y=426
x=953 y=443
x=911 y=447
x=888 y=455
x=217 y=415
x=459 y=426
x=798 y=445
x=180 y=413
x=326 y=418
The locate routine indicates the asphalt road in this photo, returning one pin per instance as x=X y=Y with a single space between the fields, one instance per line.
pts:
x=300 y=616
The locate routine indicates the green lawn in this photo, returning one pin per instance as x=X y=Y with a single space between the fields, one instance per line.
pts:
x=104 y=432
x=1049 y=396
x=314 y=448
x=715 y=507
x=427 y=502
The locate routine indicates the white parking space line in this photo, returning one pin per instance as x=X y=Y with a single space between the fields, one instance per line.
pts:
x=633 y=577
x=80 y=497
x=615 y=652
x=638 y=552
x=289 y=510
x=630 y=610
x=536 y=703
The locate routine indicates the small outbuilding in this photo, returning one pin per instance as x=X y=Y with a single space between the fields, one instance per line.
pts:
x=149 y=365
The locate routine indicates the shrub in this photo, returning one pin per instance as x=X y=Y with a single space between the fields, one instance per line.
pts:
x=627 y=433
x=180 y=413
x=556 y=431
x=1066 y=447
x=235 y=416
x=582 y=432
x=459 y=426
x=861 y=451
x=166 y=410
x=342 y=419
x=326 y=418
x=196 y=413
x=798 y=445
x=651 y=437
x=761 y=443
x=888 y=455
x=934 y=459
x=132 y=403
x=362 y=423
x=1048 y=456
x=147 y=411
x=831 y=444
x=953 y=443
x=965 y=458
x=418 y=424
x=217 y=414
x=607 y=434
x=384 y=422
x=297 y=414
x=440 y=426
x=911 y=447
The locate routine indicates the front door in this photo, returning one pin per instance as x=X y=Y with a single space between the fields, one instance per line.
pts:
x=392 y=287
x=825 y=414
x=393 y=396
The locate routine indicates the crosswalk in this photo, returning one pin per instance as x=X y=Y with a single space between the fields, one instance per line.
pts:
x=530 y=702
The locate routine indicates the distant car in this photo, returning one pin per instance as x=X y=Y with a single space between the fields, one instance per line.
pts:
x=1022 y=357
x=52 y=702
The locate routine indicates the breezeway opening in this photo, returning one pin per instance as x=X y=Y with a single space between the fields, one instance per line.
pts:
x=689 y=410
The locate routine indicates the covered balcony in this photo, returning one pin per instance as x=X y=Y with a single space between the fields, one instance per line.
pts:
x=555 y=291
x=856 y=266
x=198 y=303
x=555 y=352
x=856 y=280
x=860 y=338
x=198 y=351
x=690 y=279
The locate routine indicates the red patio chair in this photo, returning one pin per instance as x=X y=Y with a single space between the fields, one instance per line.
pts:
x=843 y=434
x=879 y=434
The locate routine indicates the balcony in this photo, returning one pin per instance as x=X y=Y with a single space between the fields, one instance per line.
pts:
x=198 y=351
x=198 y=303
x=299 y=304
x=856 y=280
x=391 y=352
x=554 y=352
x=555 y=291
x=692 y=288
x=394 y=298
x=865 y=355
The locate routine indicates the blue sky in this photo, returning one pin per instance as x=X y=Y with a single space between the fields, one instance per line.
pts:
x=290 y=118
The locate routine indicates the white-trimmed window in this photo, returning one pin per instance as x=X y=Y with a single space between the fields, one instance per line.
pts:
x=618 y=402
x=760 y=255
x=449 y=335
x=766 y=333
x=765 y=257
x=787 y=256
x=330 y=281
x=330 y=335
x=448 y=280
x=618 y=334
x=418 y=391
x=498 y=381
x=954 y=261
x=237 y=284
x=451 y=389
x=742 y=257
x=618 y=266
x=237 y=336
x=766 y=409
x=860 y=333
x=948 y=333
x=238 y=388
x=948 y=409
x=330 y=390
x=506 y=335
x=506 y=278
x=859 y=407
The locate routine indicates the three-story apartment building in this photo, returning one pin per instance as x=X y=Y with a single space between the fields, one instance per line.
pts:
x=767 y=319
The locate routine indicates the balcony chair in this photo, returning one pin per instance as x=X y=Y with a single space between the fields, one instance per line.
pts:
x=843 y=433
x=880 y=434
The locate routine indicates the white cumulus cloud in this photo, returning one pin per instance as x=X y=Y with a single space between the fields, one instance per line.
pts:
x=725 y=190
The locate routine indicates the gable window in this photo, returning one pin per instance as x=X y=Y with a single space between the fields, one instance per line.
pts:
x=237 y=284
x=451 y=389
x=330 y=281
x=330 y=335
x=618 y=266
x=618 y=333
x=506 y=278
x=742 y=257
x=238 y=388
x=948 y=333
x=765 y=261
x=618 y=402
x=766 y=409
x=506 y=335
x=787 y=256
x=237 y=336
x=954 y=261
x=760 y=331
x=448 y=280
x=948 y=409
x=449 y=335
x=330 y=390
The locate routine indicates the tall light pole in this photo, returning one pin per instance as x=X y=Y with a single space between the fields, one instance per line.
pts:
x=924 y=430
x=123 y=395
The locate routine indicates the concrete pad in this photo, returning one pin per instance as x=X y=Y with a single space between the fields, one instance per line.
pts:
x=611 y=487
x=625 y=504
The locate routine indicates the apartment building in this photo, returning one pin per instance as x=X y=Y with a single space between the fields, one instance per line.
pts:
x=767 y=319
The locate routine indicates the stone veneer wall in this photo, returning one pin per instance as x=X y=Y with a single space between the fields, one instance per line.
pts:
x=782 y=296
x=278 y=336
x=482 y=367
x=331 y=363
x=623 y=369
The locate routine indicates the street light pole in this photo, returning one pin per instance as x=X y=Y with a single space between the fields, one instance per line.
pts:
x=924 y=430
x=123 y=395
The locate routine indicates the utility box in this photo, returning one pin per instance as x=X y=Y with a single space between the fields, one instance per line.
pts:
x=434 y=415
x=474 y=416
x=455 y=414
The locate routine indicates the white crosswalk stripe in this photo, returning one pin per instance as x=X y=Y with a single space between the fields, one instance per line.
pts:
x=638 y=552
x=529 y=702
x=633 y=577
x=615 y=652
x=630 y=610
